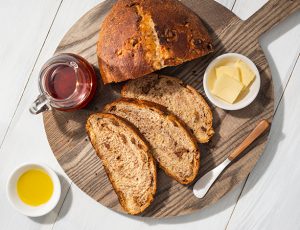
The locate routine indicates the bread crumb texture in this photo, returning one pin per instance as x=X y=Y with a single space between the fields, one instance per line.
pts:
x=125 y=156
x=172 y=146
x=182 y=100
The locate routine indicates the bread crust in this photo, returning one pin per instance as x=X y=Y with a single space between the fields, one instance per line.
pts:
x=123 y=51
x=152 y=162
x=209 y=116
x=162 y=111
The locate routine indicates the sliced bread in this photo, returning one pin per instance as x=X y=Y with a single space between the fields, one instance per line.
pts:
x=182 y=100
x=125 y=156
x=173 y=146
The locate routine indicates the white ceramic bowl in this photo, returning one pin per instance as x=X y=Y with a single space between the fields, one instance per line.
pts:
x=19 y=205
x=244 y=99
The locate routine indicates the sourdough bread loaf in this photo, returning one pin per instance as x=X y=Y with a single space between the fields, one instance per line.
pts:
x=173 y=146
x=182 y=100
x=126 y=159
x=140 y=36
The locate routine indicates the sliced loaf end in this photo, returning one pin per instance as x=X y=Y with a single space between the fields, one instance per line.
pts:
x=126 y=159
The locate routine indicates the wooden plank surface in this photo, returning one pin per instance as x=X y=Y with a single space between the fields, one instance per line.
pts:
x=214 y=217
x=227 y=3
x=23 y=31
x=69 y=142
x=280 y=39
x=245 y=8
x=271 y=195
x=26 y=140
x=263 y=190
x=23 y=119
x=272 y=47
x=281 y=47
x=24 y=28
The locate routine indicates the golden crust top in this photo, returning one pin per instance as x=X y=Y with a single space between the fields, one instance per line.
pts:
x=141 y=36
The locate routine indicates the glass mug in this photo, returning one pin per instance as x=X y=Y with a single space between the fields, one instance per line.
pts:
x=67 y=82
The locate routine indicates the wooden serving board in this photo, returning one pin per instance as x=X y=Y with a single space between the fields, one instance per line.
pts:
x=69 y=142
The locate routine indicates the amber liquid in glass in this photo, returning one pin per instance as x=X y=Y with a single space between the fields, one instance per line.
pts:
x=70 y=81
x=61 y=82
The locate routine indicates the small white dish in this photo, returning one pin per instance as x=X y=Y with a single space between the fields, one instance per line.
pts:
x=19 y=205
x=244 y=99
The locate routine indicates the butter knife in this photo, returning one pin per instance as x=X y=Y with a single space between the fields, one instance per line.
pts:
x=204 y=183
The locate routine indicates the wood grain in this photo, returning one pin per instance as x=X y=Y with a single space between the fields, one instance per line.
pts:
x=270 y=199
x=256 y=132
x=227 y=3
x=245 y=8
x=68 y=140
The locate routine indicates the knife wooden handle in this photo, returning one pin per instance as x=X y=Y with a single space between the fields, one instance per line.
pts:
x=257 y=131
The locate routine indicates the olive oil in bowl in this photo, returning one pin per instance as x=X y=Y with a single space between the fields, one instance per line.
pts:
x=35 y=187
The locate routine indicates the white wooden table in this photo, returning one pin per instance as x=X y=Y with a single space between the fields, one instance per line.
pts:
x=268 y=199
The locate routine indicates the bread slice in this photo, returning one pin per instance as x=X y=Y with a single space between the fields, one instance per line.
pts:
x=125 y=156
x=140 y=36
x=182 y=100
x=173 y=146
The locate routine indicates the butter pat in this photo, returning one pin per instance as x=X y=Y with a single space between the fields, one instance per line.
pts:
x=230 y=70
x=227 y=88
x=247 y=76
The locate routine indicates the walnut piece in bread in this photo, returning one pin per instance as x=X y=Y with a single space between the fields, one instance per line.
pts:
x=139 y=37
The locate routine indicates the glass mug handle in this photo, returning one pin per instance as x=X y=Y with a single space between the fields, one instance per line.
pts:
x=41 y=104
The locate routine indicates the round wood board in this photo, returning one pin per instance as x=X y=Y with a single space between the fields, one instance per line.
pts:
x=69 y=142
